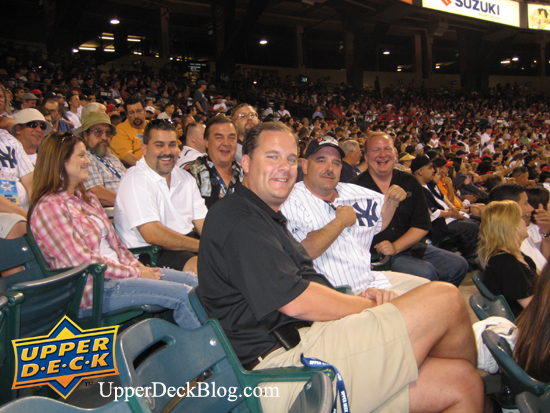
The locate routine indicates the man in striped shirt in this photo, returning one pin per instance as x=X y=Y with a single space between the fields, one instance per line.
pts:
x=336 y=222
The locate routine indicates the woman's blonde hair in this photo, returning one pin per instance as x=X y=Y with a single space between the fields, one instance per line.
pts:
x=499 y=229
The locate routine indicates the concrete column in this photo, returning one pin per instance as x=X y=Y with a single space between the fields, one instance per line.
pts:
x=542 y=59
x=164 y=33
x=418 y=54
x=300 y=47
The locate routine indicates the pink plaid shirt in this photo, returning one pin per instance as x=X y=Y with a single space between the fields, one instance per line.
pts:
x=67 y=235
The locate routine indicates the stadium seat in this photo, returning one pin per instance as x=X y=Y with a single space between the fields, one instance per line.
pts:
x=529 y=403
x=514 y=379
x=45 y=405
x=123 y=316
x=485 y=307
x=175 y=357
x=477 y=278
x=34 y=308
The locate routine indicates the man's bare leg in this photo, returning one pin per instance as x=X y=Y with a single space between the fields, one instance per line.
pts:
x=446 y=385
x=438 y=322
x=443 y=343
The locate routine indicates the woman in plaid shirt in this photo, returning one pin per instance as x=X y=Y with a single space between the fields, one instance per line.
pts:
x=71 y=227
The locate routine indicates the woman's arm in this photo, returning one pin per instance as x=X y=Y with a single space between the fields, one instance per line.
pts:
x=53 y=225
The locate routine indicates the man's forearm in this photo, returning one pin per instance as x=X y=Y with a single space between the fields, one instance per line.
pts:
x=320 y=303
x=157 y=234
x=9 y=207
x=105 y=196
x=130 y=159
x=411 y=237
x=388 y=210
x=317 y=242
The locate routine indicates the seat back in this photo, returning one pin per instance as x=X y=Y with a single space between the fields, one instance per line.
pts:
x=14 y=253
x=34 y=309
x=512 y=374
x=484 y=307
x=477 y=278
x=316 y=396
x=45 y=405
x=47 y=300
x=174 y=356
x=529 y=403
x=197 y=305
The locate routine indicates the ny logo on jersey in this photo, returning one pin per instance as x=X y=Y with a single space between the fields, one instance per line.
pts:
x=368 y=214
x=8 y=159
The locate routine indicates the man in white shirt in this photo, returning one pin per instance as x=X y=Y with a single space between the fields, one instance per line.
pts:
x=336 y=222
x=159 y=204
x=168 y=111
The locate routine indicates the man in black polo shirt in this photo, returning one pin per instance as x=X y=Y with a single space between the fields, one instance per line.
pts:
x=260 y=283
x=402 y=239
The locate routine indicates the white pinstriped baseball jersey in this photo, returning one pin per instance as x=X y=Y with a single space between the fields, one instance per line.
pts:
x=347 y=260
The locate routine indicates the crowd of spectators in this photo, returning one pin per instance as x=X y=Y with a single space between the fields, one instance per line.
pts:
x=457 y=144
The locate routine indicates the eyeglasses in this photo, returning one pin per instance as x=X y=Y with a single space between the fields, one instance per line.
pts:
x=137 y=112
x=35 y=124
x=247 y=115
x=99 y=132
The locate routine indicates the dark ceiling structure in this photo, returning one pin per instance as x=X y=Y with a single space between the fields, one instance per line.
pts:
x=229 y=31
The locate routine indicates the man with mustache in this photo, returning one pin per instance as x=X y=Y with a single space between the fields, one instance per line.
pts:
x=126 y=145
x=159 y=204
x=336 y=222
x=105 y=170
x=217 y=173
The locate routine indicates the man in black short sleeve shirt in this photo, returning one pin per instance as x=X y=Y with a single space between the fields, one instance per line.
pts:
x=402 y=239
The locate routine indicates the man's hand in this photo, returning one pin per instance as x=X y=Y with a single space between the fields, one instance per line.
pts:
x=395 y=194
x=346 y=215
x=470 y=198
x=380 y=296
x=385 y=247
x=455 y=213
x=542 y=218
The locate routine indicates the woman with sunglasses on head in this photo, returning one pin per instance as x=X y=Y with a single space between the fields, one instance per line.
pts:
x=71 y=227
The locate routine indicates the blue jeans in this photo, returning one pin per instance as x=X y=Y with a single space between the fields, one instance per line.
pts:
x=169 y=292
x=436 y=265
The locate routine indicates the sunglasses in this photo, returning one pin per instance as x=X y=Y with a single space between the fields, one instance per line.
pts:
x=34 y=124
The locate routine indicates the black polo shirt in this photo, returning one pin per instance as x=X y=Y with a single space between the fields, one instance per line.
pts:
x=411 y=213
x=249 y=267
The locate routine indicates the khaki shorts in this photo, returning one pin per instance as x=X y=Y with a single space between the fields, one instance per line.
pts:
x=7 y=222
x=372 y=351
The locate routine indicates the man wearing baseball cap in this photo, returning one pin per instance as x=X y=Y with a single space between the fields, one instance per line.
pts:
x=29 y=101
x=105 y=170
x=30 y=128
x=336 y=222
